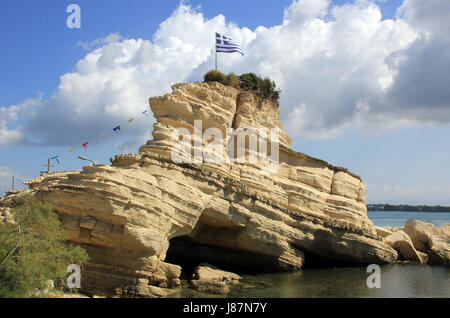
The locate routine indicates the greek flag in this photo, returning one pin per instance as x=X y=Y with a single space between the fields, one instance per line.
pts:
x=226 y=45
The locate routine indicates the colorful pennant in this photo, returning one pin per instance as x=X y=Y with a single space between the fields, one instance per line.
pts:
x=85 y=145
x=55 y=158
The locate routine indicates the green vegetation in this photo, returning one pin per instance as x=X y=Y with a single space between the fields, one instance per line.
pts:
x=215 y=76
x=232 y=80
x=264 y=88
x=34 y=250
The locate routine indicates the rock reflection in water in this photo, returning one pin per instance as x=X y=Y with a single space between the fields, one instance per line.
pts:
x=397 y=280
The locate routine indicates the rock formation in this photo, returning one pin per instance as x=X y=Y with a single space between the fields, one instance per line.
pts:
x=208 y=278
x=431 y=240
x=419 y=242
x=383 y=232
x=401 y=242
x=130 y=215
x=420 y=232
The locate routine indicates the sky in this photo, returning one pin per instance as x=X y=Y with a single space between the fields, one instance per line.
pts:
x=365 y=84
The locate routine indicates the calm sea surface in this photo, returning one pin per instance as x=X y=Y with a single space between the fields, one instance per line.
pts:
x=398 y=218
x=397 y=280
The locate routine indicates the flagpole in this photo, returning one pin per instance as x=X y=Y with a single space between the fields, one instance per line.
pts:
x=215 y=47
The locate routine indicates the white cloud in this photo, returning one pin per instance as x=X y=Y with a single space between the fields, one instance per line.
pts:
x=420 y=87
x=301 y=12
x=111 y=38
x=9 y=137
x=338 y=67
x=426 y=16
x=10 y=115
x=113 y=83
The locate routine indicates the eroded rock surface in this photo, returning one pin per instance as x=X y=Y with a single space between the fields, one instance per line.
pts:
x=401 y=242
x=420 y=232
x=208 y=278
x=126 y=214
x=431 y=243
x=383 y=232
x=439 y=253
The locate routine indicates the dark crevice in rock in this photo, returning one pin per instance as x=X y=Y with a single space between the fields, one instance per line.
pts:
x=183 y=251
x=234 y=124
x=188 y=254
x=315 y=261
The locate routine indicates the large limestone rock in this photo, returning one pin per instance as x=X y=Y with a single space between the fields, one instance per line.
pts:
x=445 y=229
x=383 y=232
x=420 y=232
x=432 y=240
x=439 y=250
x=127 y=214
x=401 y=242
x=208 y=278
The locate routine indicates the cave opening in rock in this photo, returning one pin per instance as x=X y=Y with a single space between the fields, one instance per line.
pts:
x=214 y=242
x=188 y=254
x=316 y=261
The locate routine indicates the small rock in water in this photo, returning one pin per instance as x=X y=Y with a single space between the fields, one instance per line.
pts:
x=208 y=278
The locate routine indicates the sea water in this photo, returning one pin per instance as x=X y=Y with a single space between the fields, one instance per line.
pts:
x=398 y=218
x=397 y=280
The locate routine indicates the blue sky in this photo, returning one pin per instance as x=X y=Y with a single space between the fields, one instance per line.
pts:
x=398 y=146
x=44 y=48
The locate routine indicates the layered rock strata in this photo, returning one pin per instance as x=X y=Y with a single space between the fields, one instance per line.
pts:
x=126 y=214
x=208 y=278
x=401 y=242
x=430 y=240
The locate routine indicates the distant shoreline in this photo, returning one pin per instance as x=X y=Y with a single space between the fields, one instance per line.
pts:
x=408 y=211
x=407 y=208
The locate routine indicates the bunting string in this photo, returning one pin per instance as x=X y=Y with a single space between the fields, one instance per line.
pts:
x=116 y=129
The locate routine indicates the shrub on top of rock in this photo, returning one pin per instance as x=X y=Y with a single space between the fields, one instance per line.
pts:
x=215 y=76
x=232 y=80
x=264 y=88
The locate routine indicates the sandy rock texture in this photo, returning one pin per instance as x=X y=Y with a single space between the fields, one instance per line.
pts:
x=383 y=232
x=127 y=214
x=208 y=278
x=432 y=240
x=401 y=242
x=422 y=242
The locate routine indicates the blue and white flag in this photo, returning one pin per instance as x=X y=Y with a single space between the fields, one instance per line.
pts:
x=225 y=45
